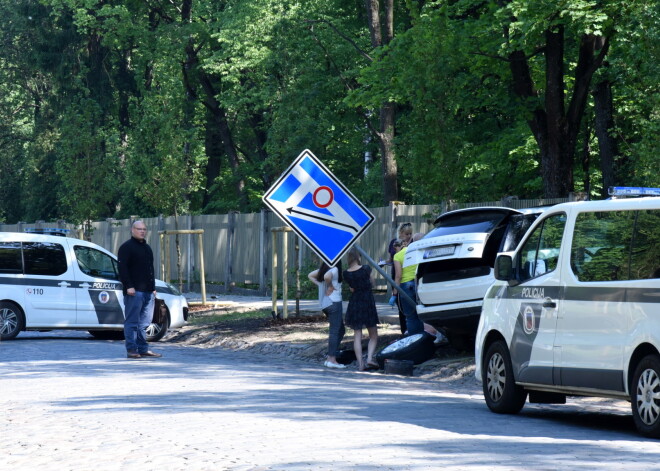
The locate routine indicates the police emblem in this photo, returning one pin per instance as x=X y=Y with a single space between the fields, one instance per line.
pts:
x=529 y=320
x=104 y=297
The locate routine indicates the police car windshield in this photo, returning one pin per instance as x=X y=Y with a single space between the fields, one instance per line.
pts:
x=468 y=222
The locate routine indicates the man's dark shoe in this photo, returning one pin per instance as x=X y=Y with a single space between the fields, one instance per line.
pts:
x=151 y=354
x=133 y=355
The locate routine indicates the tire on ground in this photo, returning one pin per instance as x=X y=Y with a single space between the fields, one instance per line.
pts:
x=645 y=396
x=417 y=347
x=501 y=392
x=12 y=320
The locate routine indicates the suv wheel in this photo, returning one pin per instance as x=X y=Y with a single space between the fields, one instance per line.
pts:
x=500 y=390
x=645 y=400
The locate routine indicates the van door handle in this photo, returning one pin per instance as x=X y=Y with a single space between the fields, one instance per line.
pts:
x=64 y=284
x=549 y=303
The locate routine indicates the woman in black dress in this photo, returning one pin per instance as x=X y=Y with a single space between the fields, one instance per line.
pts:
x=361 y=311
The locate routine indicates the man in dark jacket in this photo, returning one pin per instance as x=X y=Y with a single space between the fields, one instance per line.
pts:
x=136 y=272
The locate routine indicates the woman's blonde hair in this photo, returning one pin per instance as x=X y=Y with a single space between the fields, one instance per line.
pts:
x=405 y=228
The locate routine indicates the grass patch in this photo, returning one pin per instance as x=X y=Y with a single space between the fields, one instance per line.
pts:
x=202 y=318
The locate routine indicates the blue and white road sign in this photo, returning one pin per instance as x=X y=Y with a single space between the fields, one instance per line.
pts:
x=318 y=207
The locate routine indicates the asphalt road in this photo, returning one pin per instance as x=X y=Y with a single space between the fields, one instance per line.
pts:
x=71 y=403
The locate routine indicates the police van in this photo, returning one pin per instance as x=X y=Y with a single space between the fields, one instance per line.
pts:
x=50 y=282
x=575 y=310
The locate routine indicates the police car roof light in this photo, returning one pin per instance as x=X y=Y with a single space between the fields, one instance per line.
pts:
x=57 y=231
x=633 y=191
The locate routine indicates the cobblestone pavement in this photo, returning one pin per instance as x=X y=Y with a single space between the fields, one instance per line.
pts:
x=72 y=403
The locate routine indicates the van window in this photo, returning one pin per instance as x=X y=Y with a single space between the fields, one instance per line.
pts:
x=616 y=245
x=540 y=252
x=10 y=257
x=95 y=263
x=601 y=245
x=44 y=258
x=645 y=254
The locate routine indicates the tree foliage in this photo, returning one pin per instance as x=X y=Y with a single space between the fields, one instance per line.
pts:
x=119 y=107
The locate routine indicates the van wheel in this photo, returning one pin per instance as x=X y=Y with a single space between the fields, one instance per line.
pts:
x=645 y=400
x=500 y=390
x=155 y=332
x=12 y=320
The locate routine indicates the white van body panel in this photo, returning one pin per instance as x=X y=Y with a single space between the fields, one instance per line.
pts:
x=587 y=341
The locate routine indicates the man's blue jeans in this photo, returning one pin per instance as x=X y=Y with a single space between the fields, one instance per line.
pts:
x=413 y=323
x=139 y=312
x=337 y=329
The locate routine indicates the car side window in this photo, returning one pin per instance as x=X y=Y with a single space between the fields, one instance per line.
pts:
x=540 y=252
x=95 y=263
x=601 y=245
x=44 y=258
x=11 y=260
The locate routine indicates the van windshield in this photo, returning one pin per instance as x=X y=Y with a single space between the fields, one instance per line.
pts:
x=469 y=222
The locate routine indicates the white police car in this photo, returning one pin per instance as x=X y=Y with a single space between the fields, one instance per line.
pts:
x=575 y=310
x=455 y=264
x=50 y=282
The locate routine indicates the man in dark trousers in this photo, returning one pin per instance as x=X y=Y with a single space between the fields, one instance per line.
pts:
x=136 y=272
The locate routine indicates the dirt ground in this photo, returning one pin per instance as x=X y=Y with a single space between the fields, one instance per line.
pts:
x=306 y=338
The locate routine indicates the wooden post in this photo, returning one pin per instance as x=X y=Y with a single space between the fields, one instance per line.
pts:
x=285 y=275
x=298 y=266
x=162 y=255
x=228 y=259
x=202 y=276
x=274 y=274
x=262 y=251
x=165 y=259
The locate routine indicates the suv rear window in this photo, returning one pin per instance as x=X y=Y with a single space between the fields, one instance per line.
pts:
x=468 y=222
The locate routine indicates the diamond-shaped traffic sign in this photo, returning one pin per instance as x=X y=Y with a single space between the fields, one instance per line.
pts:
x=318 y=207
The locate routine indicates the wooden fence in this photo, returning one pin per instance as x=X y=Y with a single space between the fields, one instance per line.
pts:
x=238 y=247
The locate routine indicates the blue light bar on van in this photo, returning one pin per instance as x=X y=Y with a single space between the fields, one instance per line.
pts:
x=632 y=191
x=48 y=231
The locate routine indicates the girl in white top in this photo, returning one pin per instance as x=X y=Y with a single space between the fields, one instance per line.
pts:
x=328 y=279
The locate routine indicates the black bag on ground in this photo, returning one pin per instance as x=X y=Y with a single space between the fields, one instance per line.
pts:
x=346 y=357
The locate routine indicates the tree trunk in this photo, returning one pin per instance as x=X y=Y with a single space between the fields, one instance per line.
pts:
x=388 y=110
x=607 y=145
x=554 y=127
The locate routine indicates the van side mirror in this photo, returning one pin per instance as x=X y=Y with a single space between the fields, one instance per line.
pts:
x=503 y=268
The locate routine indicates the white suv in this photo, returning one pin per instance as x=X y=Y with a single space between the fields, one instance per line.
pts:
x=455 y=264
x=50 y=282
x=575 y=310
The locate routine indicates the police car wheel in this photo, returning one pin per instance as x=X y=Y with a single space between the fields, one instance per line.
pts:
x=645 y=401
x=417 y=347
x=502 y=394
x=155 y=332
x=12 y=320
